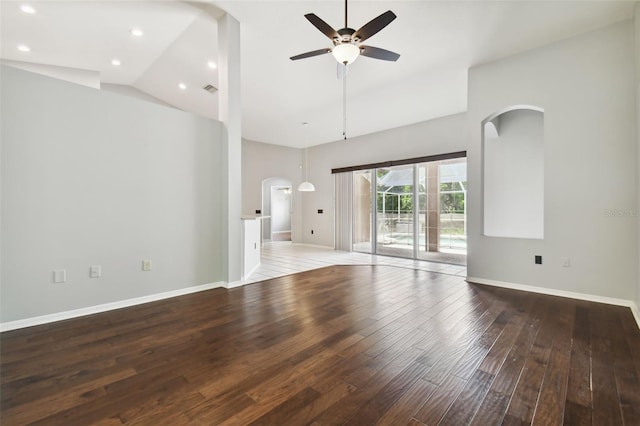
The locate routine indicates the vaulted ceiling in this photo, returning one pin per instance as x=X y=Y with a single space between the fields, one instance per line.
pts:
x=438 y=41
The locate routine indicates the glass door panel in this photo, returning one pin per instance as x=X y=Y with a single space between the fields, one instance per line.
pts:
x=453 y=192
x=394 y=211
x=442 y=211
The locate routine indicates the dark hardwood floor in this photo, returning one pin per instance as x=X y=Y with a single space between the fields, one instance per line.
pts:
x=357 y=345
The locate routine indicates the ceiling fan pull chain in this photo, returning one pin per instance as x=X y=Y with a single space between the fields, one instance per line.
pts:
x=344 y=104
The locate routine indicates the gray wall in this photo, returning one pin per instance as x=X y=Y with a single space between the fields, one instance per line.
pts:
x=96 y=178
x=262 y=161
x=586 y=86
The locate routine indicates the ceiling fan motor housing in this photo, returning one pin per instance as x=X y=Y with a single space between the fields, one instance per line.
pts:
x=345 y=36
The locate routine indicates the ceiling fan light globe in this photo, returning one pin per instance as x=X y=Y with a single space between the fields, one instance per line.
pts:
x=346 y=53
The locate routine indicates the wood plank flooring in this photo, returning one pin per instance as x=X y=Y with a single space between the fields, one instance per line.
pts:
x=356 y=345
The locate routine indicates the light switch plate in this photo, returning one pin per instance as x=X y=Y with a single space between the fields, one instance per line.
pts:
x=95 y=271
x=146 y=265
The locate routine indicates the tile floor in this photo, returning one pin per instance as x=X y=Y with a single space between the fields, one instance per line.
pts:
x=281 y=258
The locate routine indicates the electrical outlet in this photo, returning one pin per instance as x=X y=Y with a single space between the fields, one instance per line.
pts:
x=95 y=271
x=566 y=262
x=146 y=265
x=538 y=259
x=60 y=276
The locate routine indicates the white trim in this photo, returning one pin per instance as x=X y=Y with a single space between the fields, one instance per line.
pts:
x=235 y=284
x=562 y=293
x=636 y=312
x=248 y=274
x=90 y=310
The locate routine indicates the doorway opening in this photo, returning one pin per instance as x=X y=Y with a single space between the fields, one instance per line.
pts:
x=280 y=213
x=276 y=209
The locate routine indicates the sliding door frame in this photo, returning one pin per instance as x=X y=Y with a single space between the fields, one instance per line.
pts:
x=373 y=171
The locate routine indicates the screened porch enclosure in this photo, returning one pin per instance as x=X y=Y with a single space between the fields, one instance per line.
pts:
x=415 y=210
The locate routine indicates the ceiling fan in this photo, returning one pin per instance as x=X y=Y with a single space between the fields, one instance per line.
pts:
x=346 y=41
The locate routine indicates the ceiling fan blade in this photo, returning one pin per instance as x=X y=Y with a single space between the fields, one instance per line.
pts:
x=310 y=54
x=324 y=28
x=373 y=26
x=377 y=53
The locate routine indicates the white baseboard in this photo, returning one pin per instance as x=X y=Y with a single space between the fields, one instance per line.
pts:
x=248 y=274
x=90 y=310
x=314 y=245
x=235 y=284
x=636 y=312
x=562 y=293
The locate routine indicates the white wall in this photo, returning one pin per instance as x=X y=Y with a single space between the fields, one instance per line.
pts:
x=230 y=115
x=96 y=178
x=637 y=56
x=262 y=161
x=439 y=136
x=586 y=87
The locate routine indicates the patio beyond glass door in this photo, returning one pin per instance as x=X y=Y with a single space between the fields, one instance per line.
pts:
x=394 y=211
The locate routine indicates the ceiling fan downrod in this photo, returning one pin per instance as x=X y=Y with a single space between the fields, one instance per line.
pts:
x=345 y=14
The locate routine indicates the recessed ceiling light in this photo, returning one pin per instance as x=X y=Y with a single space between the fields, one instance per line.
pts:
x=27 y=8
x=115 y=62
x=136 y=32
x=212 y=65
x=182 y=86
x=24 y=48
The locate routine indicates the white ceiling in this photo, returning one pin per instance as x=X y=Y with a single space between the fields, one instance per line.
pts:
x=438 y=41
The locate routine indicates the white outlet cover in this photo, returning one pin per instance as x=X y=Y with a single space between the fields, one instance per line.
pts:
x=146 y=265
x=60 y=276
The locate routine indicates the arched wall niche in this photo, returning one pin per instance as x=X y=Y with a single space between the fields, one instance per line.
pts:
x=513 y=173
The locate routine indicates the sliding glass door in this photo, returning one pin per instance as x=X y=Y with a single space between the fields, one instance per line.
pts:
x=416 y=211
x=394 y=211
x=443 y=231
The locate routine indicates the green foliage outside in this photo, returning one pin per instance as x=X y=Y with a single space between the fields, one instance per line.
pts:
x=450 y=202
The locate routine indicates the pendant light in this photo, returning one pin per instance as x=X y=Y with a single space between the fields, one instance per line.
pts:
x=306 y=186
